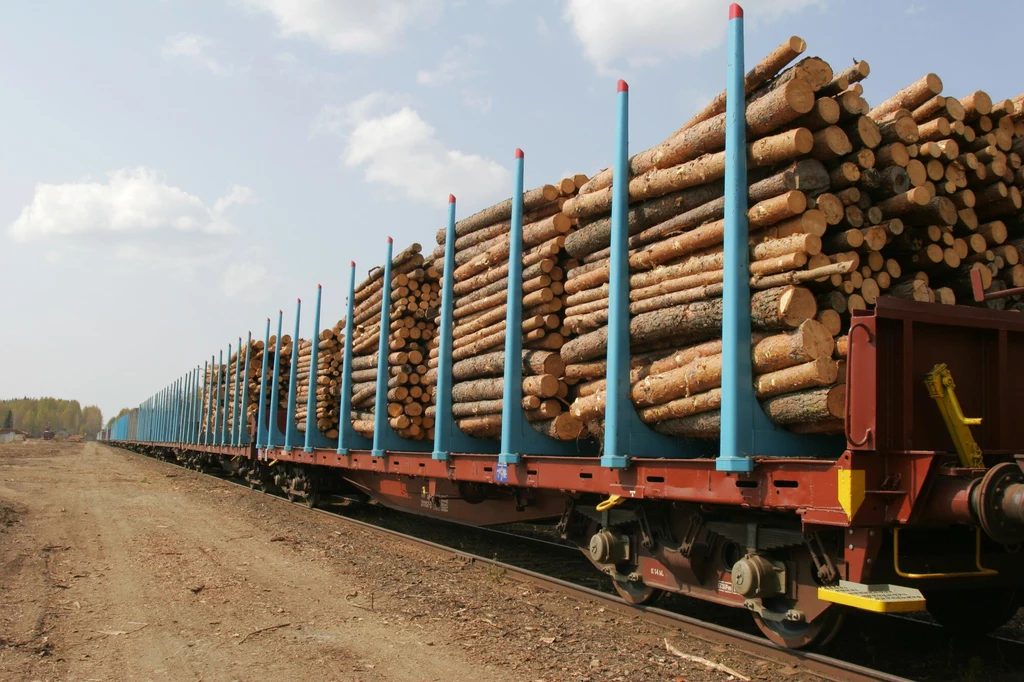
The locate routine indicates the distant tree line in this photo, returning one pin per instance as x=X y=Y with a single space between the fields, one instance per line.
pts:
x=33 y=415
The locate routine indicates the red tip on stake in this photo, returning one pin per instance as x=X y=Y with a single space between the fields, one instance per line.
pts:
x=351 y=263
x=623 y=86
x=389 y=240
x=519 y=153
x=451 y=198
x=735 y=11
x=298 y=300
x=317 y=286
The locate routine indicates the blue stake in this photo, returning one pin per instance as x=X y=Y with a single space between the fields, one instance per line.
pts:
x=348 y=439
x=380 y=408
x=272 y=408
x=224 y=404
x=261 y=413
x=517 y=436
x=512 y=417
x=447 y=435
x=216 y=399
x=236 y=402
x=243 y=425
x=201 y=432
x=314 y=439
x=737 y=370
x=746 y=430
x=625 y=435
x=290 y=430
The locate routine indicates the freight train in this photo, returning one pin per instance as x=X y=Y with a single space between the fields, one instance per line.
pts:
x=919 y=504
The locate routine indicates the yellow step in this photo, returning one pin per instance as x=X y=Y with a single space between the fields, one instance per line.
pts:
x=877 y=598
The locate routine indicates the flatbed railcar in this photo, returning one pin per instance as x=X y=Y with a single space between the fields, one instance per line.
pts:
x=916 y=506
x=893 y=522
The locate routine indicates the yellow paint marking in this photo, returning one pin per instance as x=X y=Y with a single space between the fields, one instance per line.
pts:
x=851 y=490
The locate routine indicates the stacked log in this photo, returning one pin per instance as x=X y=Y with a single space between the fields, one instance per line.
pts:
x=480 y=285
x=415 y=300
x=846 y=203
x=802 y=224
x=237 y=363
x=330 y=359
x=255 y=379
x=963 y=191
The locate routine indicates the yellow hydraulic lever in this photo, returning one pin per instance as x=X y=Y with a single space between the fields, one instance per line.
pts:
x=940 y=386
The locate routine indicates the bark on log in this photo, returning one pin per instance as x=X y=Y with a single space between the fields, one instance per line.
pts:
x=772 y=309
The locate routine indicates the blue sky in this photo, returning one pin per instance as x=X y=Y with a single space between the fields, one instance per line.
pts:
x=172 y=172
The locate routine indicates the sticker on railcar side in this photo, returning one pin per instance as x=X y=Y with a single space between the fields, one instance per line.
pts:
x=726 y=586
x=501 y=473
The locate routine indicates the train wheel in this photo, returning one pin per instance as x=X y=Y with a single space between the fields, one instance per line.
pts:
x=637 y=593
x=801 y=634
x=972 y=612
x=312 y=499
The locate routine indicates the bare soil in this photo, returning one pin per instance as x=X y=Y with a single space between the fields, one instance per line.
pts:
x=114 y=566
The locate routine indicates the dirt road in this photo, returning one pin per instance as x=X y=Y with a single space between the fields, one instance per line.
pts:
x=114 y=566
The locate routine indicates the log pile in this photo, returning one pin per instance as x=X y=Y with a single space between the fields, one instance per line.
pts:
x=255 y=376
x=237 y=363
x=330 y=357
x=846 y=203
x=415 y=300
x=480 y=286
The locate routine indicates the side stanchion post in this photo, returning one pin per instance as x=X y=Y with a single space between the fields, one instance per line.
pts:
x=291 y=430
x=314 y=438
x=625 y=436
x=243 y=430
x=261 y=411
x=518 y=438
x=746 y=432
x=348 y=439
x=447 y=435
x=274 y=436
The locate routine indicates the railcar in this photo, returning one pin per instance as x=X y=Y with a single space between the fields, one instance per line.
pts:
x=918 y=505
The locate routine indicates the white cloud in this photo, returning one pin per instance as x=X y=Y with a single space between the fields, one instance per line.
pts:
x=543 y=30
x=643 y=32
x=236 y=196
x=196 y=48
x=132 y=201
x=457 y=63
x=248 y=280
x=349 y=25
x=476 y=102
x=394 y=146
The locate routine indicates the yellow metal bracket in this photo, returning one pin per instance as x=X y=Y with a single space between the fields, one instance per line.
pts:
x=981 y=570
x=940 y=386
x=613 y=501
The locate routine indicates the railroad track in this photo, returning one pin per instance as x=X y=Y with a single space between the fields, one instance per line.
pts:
x=818 y=665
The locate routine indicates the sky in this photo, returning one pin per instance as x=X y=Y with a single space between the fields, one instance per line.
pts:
x=172 y=172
